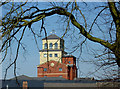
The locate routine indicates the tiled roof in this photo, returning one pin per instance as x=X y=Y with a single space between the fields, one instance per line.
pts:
x=52 y=36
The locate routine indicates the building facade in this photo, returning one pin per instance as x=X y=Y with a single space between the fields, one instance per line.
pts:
x=54 y=61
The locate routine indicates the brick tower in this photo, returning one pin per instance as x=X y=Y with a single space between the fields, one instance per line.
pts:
x=54 y=61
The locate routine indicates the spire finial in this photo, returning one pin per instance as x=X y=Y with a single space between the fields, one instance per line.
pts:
x=53 y=31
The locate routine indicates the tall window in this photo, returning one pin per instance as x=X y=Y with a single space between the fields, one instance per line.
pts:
x=50 y=45
x=56 y=45
x=45 y=46
x=45 y=55
x=56 y=55
x=50 y=55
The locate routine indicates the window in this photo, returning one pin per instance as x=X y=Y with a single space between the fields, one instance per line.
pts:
x=56 y=55
x=45 y=55
x=50 y=45
x=50 y=55
x=45 y=69
x=45 y=46
x=56 y=46
x=69 y=62
x=60 y=69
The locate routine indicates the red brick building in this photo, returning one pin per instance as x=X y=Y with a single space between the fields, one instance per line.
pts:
x=54 y=61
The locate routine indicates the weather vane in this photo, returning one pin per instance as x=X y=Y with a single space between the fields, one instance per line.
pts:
x=53 y=32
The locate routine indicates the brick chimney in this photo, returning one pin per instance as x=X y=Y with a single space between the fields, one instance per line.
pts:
x=25 y=85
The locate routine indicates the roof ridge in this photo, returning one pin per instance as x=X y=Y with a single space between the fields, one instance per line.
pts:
x=52 y=36
x=50 y=62
x=20 y=76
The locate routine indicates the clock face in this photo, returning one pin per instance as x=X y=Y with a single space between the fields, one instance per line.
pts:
x=52 y=64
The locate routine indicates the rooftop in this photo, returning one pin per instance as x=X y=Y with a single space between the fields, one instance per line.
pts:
x=24 y=77
x=45 y=50
x=36 y=82
x=52 y=36
x=67 y=55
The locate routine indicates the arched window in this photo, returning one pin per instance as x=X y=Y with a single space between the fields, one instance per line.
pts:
x=45 y=46
x=45 y=55
x=50 y=45
x=56 y=45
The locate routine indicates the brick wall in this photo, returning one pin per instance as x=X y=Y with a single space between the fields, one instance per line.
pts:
x=73 y=69
x=68 y=60
x=54 y=69
x=68 y=66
